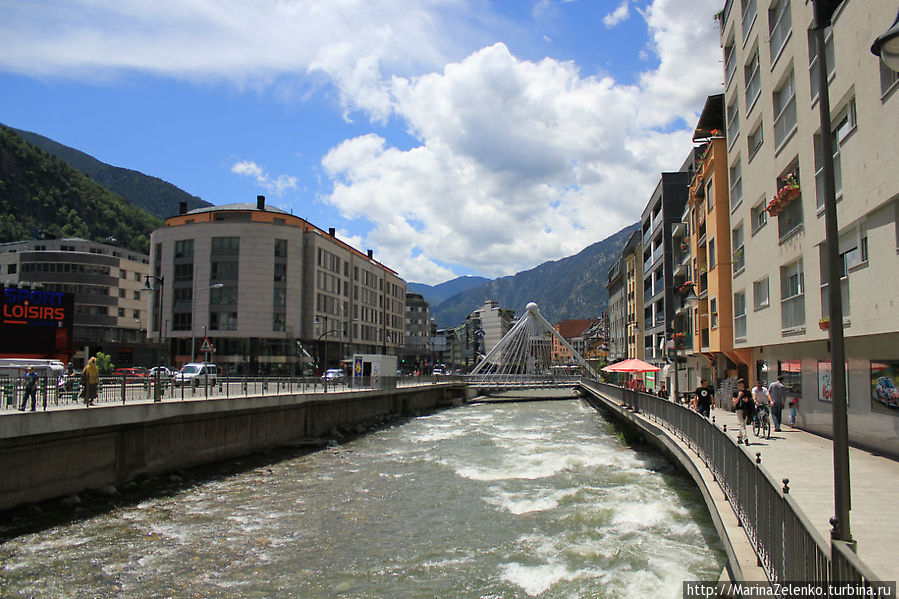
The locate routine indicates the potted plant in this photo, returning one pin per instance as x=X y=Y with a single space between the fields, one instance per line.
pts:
x=824 y=323
x=788 y=190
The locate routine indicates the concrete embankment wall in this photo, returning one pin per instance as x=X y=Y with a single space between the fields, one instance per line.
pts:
x=51 y=454
x=741 y=560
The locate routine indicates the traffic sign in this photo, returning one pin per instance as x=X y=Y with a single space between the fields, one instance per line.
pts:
x=207 y=346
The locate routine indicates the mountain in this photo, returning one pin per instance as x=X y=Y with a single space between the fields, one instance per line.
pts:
x=573 y=287
x=154 y=195
x=43 y=197
x=435 y=294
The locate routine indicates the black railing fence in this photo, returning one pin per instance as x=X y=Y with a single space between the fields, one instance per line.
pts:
x=786 y=544
x=68 y=391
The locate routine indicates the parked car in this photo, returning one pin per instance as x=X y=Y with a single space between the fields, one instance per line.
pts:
x=334 y=375
x=132 y=375
x=164 y=372
x=196 y=373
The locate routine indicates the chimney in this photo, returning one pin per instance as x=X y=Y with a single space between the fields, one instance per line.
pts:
x=332 y=231
x=260 y=202
x=370 y=254
x=182 y=208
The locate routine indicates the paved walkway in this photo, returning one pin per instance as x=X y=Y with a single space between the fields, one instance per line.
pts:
x=807 y=460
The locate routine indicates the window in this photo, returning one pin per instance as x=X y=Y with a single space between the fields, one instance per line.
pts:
x=749 y=13
x=182 y=295
x=779 y=27
x=753 y=77
x=279 y=296
x=225 y=246
x=759 y=216
x=733 y=122
x=792 y=296
x=123 y=274
x=137 y=295
x=122 y=293
x=710 y=193
x=184 y=248
x=739 y=315
x=278 y=321
x=754 y=141
x=280 y=272
x=784 y=99
x=814 y=83
x=135 y=314
x=730 y=64
x=11 y=269
x=736 y=185
x=845 y=125
x=181 y=321
x=223 y=296
x=223 y=321
x=122 y=312
x=712 y=257
x=738 y=258
x=760 y=294
x=280 y=248
x=888 y=79
x=224 y=271
x=789 y=219
x=184 y=272
x=791 y=370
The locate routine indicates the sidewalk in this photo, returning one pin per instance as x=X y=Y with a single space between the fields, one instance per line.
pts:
x=807 y=460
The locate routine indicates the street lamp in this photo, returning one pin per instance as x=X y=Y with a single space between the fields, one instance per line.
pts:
x=193 y=318
x=887 y=46
x=824 y=10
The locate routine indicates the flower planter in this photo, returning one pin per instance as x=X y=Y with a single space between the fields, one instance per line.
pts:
x=824 y=325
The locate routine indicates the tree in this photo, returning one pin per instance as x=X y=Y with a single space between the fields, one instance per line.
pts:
x=104 y=363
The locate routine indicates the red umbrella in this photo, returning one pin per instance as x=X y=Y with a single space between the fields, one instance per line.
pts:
x=632 y=365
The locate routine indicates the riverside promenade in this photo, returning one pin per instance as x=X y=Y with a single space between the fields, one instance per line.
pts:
x=807 y=461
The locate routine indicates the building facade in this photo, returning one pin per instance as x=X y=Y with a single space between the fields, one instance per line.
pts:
x=418 y=348
x=111 y=312
x=272 y=292
x=780 y=295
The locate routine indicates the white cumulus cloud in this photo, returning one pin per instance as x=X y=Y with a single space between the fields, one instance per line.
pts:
x=621 y=13
x=277 y=185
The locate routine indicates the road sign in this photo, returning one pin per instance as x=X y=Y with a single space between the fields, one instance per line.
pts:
x=207 y=346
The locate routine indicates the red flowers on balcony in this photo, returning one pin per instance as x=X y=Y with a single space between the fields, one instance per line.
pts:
x=788 y=190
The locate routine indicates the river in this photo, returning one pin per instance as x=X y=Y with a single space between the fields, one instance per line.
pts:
x=532 y=499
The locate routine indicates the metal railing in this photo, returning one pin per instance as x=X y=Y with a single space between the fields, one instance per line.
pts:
x=786 y=544
x=55 y=393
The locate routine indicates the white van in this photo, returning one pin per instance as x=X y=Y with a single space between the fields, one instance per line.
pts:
x=196 y=373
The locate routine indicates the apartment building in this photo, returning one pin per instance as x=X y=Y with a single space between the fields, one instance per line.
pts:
x=418 y=347
x=618 y=325
x=274 y=293
x=776 y=200
x=662 y=213
x=632 y=253
x=110 y=304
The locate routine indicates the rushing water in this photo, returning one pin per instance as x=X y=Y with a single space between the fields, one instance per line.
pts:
x=484 y=501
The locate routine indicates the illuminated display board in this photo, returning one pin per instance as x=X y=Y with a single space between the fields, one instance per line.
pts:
x=35 y=321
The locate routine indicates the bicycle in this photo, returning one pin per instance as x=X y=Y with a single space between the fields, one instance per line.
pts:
x=761 y=424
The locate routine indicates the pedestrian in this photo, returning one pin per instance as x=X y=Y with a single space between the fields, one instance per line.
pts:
x=704 y=398
x=778 y=393
x=663 y=392
x=760 y=397
x=91 y=378
x=743 y=406
x=794 y=403
x=30 y=389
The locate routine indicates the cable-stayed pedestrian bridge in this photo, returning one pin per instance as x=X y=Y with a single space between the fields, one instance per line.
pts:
x=523 y=358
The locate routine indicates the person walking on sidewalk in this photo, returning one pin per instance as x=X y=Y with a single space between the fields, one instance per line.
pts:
x=91 y=376
x=743 y=406
x=778 y=393
x=705 y=396
x=30 y=389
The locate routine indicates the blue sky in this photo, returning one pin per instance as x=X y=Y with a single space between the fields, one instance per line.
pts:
x=450 y=136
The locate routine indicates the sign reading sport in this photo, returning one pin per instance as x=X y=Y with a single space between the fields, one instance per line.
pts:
x=34 y=321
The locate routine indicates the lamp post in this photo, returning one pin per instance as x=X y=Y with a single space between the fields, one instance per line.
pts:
x=193 y=317
x=158 y=296
x=823 y=10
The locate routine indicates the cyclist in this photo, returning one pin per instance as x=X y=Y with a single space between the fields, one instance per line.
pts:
x=761 y=399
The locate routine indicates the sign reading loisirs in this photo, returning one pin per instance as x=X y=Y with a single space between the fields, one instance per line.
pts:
x=34 y=321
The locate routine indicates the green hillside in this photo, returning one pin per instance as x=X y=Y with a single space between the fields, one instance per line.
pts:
x=154 y=195
x=43 y=197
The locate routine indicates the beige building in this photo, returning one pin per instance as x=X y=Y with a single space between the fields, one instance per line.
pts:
x=776 y=203
x=108 y=284
x=272 y=292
